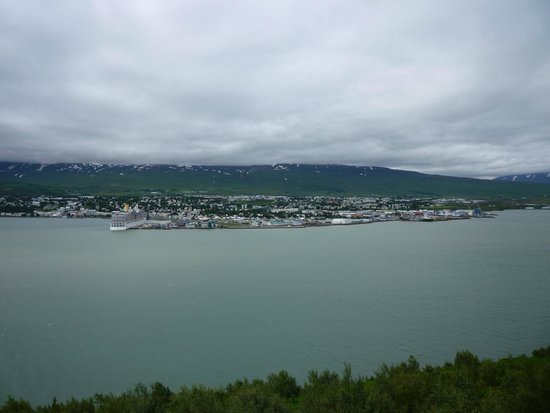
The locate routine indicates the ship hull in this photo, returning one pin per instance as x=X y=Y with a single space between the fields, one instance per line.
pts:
x=121 y=221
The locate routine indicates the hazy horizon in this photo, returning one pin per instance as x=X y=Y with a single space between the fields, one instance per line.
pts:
x=260 y=164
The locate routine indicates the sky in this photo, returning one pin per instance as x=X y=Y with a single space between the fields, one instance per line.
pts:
x=450 y=87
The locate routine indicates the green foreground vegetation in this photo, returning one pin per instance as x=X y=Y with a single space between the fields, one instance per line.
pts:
x=512 y=384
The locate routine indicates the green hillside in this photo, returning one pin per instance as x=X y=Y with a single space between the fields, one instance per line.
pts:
x=282 y=179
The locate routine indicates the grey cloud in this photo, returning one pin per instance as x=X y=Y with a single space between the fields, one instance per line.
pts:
x=445 y=87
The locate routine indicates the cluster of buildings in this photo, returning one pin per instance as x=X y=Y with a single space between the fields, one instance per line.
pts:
x=45 y=206
x=246 y=211
x=444 y=214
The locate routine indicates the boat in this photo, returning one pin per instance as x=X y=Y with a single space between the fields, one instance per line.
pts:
x=127 y=218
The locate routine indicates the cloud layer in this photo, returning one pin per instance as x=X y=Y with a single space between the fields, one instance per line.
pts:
x=459 y=88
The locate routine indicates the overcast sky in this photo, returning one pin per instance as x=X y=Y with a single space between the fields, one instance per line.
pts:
x=452 y=87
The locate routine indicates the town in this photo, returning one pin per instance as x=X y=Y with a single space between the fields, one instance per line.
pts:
x=253 y=211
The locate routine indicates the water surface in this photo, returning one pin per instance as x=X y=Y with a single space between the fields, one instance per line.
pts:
x=86 y=310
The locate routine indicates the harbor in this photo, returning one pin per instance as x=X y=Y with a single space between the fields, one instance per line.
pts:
x=205 y=211
x=365 y=217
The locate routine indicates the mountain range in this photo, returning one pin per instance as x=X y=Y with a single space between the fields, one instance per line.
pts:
x=278 y=179
x=535 y=178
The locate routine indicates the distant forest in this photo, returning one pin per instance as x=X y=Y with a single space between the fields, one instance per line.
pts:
x=512 y=384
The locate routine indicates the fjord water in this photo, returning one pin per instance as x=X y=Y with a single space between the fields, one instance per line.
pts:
x=86 y=310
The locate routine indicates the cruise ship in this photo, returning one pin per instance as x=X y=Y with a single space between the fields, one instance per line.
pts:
x=128 y=218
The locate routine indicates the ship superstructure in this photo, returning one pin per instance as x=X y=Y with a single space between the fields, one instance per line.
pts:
x=127 y=218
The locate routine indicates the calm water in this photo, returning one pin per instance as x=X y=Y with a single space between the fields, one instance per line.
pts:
x=85 y=310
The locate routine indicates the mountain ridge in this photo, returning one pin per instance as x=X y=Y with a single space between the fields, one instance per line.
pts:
x=274 y=179
x=535 y=178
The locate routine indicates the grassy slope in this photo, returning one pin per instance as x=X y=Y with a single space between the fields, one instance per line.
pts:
x=294 y=180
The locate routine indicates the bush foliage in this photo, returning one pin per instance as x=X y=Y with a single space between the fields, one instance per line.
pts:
x=512 y=384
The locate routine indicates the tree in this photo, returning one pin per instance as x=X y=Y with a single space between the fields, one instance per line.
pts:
x=283 y=384
x=16 y=406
